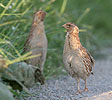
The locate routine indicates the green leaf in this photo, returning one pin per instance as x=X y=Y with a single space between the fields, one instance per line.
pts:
x=20 y=72
x=5 y=94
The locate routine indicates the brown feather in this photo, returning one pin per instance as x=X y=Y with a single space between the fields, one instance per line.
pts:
x=37 y=44
x=77 y=60
x=75 y=50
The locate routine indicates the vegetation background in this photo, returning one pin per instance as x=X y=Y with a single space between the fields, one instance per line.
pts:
x=93 y=17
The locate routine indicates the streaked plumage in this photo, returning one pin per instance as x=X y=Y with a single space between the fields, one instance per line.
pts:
x=77 y=60
x=37 y=41
x=37 y=44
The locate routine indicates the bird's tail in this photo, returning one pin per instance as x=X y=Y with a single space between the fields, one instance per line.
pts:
x=92 y=73
x=39 y=77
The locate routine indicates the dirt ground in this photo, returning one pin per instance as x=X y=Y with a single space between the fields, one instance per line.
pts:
x=65 y=87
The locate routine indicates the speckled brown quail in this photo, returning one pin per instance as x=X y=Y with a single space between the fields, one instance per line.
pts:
x=77 y=60
x=37 y=41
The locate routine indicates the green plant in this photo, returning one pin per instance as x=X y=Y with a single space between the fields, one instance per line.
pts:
x=92 y=17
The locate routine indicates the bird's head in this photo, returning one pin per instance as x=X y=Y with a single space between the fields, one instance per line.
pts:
x=39 y=16
x=71 y=27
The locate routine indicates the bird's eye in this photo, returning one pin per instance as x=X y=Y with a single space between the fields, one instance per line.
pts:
x=69 y=25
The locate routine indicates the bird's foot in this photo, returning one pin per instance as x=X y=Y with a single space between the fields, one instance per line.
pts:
x=79 y=92
x=86 y=89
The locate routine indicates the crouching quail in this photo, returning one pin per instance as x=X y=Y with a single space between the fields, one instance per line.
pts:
x=77 y=60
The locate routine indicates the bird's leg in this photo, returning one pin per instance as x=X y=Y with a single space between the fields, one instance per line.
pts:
x=86 y=89
x=41 y=66
x=78 y=86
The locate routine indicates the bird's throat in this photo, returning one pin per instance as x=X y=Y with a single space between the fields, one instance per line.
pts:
x=74 y=41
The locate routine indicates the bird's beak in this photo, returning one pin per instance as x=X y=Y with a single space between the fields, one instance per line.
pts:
x=43 y=15
x=63 y=25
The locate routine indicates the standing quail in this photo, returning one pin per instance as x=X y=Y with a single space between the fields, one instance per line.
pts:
x=37 y=41
x=77 y=60
x=37 y=44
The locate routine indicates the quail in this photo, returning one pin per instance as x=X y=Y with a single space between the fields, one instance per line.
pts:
x=37 y=41
x=77 y=60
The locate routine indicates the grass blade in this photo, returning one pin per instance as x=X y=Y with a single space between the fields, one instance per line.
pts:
x=82 y=16
x=5 y=9
x=63 y=7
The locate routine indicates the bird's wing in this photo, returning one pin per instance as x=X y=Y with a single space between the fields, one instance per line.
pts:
x=26 y=45
x=87 y=59
x=91 y=58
